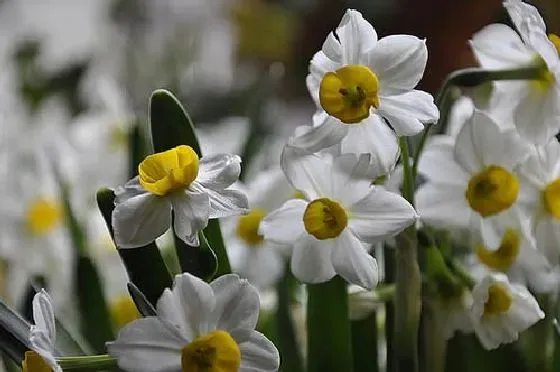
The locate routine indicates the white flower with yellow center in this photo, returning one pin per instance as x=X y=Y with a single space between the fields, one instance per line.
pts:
x=536 y=103
x=471 y=180
x=43 y=334
x=340 y=213
x=360 y=82
x=175 y=186
x=33 y=238
x=198 y=327
x=540 y=181
x=516 y=256
x=253 y=257
x=500 y=310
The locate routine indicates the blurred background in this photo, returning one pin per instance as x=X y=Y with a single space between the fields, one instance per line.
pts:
x=75 y=81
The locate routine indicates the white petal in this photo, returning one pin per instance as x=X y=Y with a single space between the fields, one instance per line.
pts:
x=407 y=112
x=196 y=298
x=308 y=173
x=140 y=219
x=237 y=306
x=352 y=262
x=263 y=265
x=218 y=171
x=43 y=316
x=372 y=136
x=226 y=203
x=537 y=117
x=329 y=133
x=532 y=29
x=438 y=165
x=548 y=238
x=259 y=354
x=497 y=46
x=399 y=62
x=321 y=64
x=148 y=345
x=481 y=142
x=443 y=205
x=284 y=225
x=350 y=178
x=357 y=37
x=170 y=309
x=379 y=215
x=311 y=260
x=190 y=212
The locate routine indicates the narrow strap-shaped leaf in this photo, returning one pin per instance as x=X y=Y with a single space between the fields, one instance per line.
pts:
x=171 y=126
x=142 y=304
x=329 y=343
x=144 y=265
x=14 y=333
x=364 y=344
x=200 y=261
x=95 y=320
x=286 y=341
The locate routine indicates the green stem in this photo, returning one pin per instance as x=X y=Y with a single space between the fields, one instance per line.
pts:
x=88 y=363
x=288 y=347
x=364 y=344
x=407 y=299
x=407 y=302
x=408 y=181
x=435 y=343
x=328 y=327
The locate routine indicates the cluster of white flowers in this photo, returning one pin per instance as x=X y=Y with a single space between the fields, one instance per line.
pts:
x=496 y=175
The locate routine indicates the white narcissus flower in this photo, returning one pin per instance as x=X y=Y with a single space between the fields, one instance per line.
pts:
x=175 y=185
x=471 y=180
x=537 y=102
x=341 y=213
x=360 y=82
x=199 y=326
x=540 y=185
x=500 y=310
x=517 y=257
x=43 y=335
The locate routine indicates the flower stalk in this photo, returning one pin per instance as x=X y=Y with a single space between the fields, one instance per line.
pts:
x=408 y=281
x=328 y=327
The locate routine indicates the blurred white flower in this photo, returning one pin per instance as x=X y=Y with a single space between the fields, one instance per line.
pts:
x=540 y=185
x=252 y=256
x=198 y=326
x=536 y=103
x=362 y=302
x=517 y=257
x=175 y=185
x=43 y=336
x=500 y=310
x=227 y=136
x=471 y=180
x=341 y=213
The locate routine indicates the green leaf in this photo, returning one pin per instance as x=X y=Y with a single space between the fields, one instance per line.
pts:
x=199 y=261
x=364 y=344
x=14 y=333
x=329 y=343
x=556 y=354
x=171 y=126
x=95 y=320
x=144 y=265
x=142 y=304
x=286 y=341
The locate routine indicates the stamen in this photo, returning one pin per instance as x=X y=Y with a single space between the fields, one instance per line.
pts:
x=492 y=191
x=325 y=218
